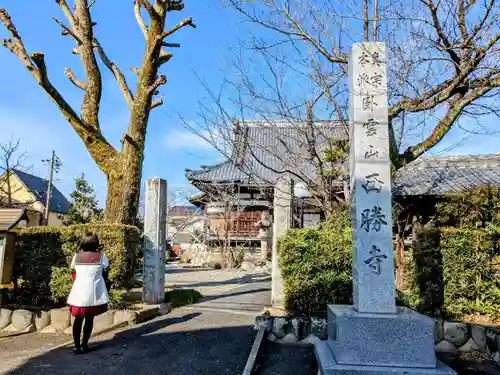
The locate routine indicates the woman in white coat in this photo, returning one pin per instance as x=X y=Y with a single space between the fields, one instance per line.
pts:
x=89 y=295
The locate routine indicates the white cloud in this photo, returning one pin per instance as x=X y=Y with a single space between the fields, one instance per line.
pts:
x=39 y=133
x=187 y=140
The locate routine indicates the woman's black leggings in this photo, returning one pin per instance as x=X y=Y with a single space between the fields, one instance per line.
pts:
x=87 y=331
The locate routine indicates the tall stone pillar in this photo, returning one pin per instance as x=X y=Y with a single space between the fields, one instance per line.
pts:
x=282 y=221
x=155 y=239
x=374 y=336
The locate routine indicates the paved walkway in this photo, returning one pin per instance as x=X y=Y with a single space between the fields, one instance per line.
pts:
x=211 y=337
x=224 y=290
x=183 y=342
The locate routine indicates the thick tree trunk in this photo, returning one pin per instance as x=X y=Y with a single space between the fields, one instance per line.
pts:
x=124 y=185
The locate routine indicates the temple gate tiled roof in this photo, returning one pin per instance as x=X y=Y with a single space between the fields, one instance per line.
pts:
x=271 y=150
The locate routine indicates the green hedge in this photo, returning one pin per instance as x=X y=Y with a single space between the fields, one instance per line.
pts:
x=461 y=266
x=316 y=266
x=477 y=208
x=43 y=256
x=454 y=272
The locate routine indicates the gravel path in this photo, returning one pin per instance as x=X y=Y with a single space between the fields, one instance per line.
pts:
x=182 y=343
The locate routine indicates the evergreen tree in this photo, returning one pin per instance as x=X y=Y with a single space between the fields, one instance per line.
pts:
x=84 y=205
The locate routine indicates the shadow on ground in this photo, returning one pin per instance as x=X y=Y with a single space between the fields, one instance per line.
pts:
x=234 y=294
x=247 y=279
x=186 y=269
x=470 y=363
x=154 y=348
x=277 y=359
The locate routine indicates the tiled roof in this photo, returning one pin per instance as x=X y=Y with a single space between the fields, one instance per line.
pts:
x=182 y=210
x=38 y=186
x=447 y=175
x=271 y=150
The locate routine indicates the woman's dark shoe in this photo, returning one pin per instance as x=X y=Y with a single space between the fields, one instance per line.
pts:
x=86 y=349
x=77 y=351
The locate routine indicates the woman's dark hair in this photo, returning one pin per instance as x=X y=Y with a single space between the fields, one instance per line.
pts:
x=89 y=242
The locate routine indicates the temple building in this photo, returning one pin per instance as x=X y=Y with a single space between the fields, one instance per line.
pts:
x=236 y=193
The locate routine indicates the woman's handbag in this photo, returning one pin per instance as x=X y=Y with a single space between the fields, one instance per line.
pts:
x=105 y=275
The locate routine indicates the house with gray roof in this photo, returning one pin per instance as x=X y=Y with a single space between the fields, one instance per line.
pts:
x=30 y=191
x=263 y=152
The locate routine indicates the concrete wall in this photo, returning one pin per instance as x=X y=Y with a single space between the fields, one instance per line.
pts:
x=56 y=219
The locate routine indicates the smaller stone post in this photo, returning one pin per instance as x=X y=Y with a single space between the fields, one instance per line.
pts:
x=283 y=197
x=155 y=238
x=265 y=233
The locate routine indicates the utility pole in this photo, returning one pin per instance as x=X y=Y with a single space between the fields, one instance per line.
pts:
x=55 y=163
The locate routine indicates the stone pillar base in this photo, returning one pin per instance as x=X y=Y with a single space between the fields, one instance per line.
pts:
x=372 y=343
x=328 y=366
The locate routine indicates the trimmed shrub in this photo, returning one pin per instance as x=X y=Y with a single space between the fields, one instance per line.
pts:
x=473 y=209
x=426 y=272
x=467 y=269
x=453 y=272
x=316 y=266
x=60 y=283
x=43 y=256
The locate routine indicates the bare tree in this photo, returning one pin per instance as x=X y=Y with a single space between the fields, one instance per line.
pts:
x=123 y=168
x=443 y=68
x=230 y=222
x=11 y=159
x=443 y=59
x=280 y=139
x=180 y=222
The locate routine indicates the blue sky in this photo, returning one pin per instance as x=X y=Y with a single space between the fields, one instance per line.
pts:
x=26 y=112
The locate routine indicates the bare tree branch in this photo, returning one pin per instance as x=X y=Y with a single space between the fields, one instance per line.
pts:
x=67 y=13
x=69 y=73
x=156 y=103
x=140 y=20
x=164 y=58
x=160 y=81
x=375 y=20
x=180 y=25
x=175 y=5
x=93 y=94
x=171 y=45
x=305 y=36
x=151 y=10
x=444 y=125
x=366 y=21
x=92 y=138
x=120 y=78
x=68 y=31
x=11 y=160
x=441 y=34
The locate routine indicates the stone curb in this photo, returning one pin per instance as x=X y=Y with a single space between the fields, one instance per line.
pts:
x=255 y=349
x=60 y=320
x=449 y=337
